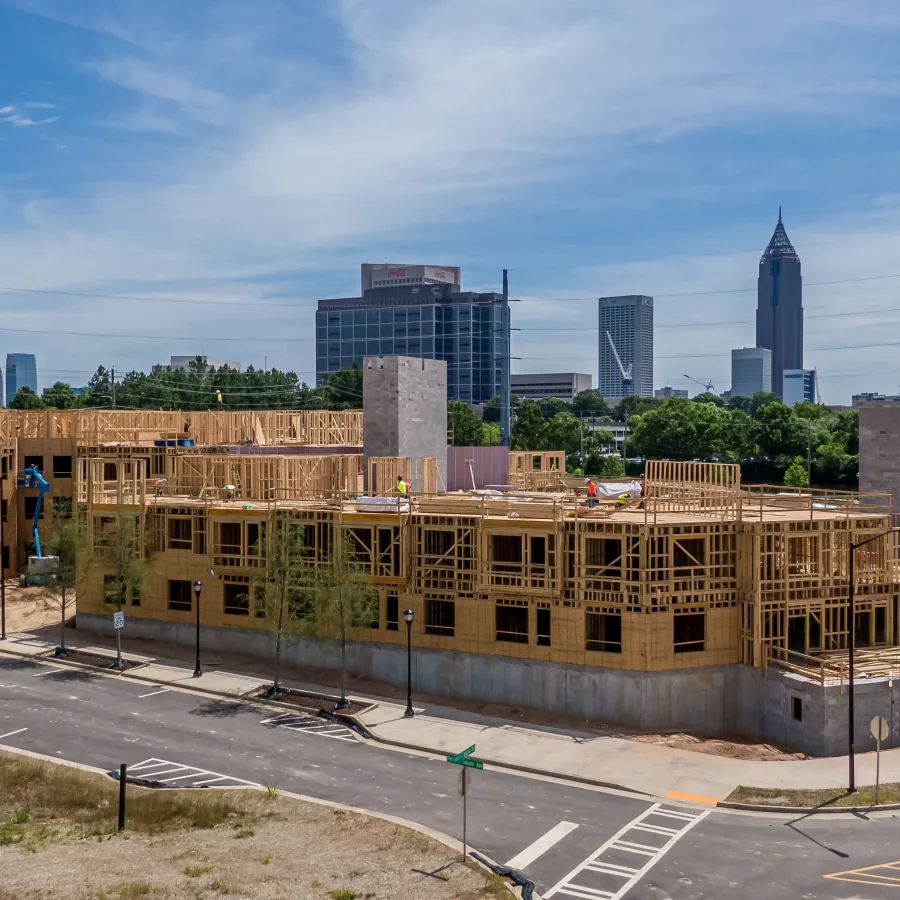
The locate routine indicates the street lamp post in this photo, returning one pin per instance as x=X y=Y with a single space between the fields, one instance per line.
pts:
x=197 y=670
x=2 y=567
x=408 y=615
x=851 y=640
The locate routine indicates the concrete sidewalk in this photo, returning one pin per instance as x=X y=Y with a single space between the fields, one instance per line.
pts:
x=618 y=762
x=597 y=759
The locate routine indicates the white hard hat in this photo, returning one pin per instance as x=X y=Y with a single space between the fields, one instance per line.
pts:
x=587 y=480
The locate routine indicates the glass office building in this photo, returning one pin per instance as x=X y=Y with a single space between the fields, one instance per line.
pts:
x=21 y=371
x=462 y=328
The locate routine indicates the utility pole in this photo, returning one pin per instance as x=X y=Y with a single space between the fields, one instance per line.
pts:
x=112 y=381
x=505 y=428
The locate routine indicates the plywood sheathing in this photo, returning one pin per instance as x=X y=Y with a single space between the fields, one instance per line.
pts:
x=766 y=576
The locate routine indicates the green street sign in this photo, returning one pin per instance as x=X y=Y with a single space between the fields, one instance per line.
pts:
x=473 y=764
x=459 y=759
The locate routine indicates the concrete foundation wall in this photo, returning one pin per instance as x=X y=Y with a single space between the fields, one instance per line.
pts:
x=710 y=701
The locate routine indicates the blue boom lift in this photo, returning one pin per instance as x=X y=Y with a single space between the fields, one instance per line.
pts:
x=39 y=566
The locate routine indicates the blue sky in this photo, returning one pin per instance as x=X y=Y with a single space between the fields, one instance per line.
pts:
x=246 y=155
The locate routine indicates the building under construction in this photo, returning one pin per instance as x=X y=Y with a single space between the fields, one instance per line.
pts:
x=697 y=604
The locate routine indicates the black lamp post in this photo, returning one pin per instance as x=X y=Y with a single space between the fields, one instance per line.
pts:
x=851 y=640
x=408 y=615
x=2 y=566
x=197 y=670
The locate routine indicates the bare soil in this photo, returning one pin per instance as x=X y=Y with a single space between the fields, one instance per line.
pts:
x=734 y=747
x=58 y=839
x=28 y=608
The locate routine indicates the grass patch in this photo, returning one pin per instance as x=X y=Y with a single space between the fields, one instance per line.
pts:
x=129 y=890
x=343 y=895
x=196 y=871
x=225 y=887
x=40 y=802
x=825 y=797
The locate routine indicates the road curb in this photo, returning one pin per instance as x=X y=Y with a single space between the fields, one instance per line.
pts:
x=807 y=810
x=498 y=764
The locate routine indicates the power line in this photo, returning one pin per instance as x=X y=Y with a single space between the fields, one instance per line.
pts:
x=312 y=303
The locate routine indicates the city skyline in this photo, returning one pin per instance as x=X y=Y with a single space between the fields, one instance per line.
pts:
x=216 y=158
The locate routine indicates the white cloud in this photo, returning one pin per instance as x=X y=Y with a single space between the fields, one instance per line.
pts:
x=448 y=109
x=6 y=109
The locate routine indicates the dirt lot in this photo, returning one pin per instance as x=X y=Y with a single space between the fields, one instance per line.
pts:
x=29 y=608
x=734 y=747
x=58 y=839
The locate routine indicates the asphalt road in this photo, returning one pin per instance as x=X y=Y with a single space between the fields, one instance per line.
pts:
x=591 y=844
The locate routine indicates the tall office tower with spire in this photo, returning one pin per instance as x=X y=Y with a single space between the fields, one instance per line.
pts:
x=779 y=307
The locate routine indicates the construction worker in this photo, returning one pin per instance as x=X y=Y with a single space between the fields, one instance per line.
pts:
x=219 y=405
x=402 y=486
x=229 y=492
x=622 y=499
x=591 y=493
x=160 y=485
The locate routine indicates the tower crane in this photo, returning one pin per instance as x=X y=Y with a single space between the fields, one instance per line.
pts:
x=627 y=371
x=709 y=387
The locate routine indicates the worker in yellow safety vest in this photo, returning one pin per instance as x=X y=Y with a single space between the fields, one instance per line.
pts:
x=622 y=499
x=402 y=487
x=219 y=400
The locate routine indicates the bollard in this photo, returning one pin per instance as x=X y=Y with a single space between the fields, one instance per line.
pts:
x=123 y=779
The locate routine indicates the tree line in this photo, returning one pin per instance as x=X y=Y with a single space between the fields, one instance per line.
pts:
x=762 y=434
x=196 y=388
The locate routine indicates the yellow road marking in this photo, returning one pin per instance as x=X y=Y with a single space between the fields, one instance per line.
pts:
x=870 y=875
x=693 y=798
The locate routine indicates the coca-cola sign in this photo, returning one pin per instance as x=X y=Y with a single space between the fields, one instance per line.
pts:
x=396 y=273
x=440 y=274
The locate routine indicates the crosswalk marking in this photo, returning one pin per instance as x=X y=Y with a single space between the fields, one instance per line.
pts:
x=541 y=845
x=311 y=725
x=611 y=873
x=164 y=771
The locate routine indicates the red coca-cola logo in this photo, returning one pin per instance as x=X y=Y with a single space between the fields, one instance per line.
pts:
x=396 y=273
x=440 y=274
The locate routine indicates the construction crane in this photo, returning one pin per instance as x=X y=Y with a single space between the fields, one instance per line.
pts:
x=627 y=371
x=39 y=566
x=709 y=387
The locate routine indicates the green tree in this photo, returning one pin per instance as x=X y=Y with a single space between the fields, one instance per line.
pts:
x=122 y=547
x=565 y=432
x=467 y=429
x=66 y=540
x=762 y=399
x=528 y=428
x=343 y=389
x=679 y=429
x=490 y=412
x=591 y=403
x=285 y=600
x=708 y=397
x=604 y=466
x=345 y=599
x=795 y=474
x=60 y=396
x=26 y=398
x=634 y=406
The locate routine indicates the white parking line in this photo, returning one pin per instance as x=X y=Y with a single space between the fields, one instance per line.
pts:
x=607 y=871
x=154 y=693
x=11 y=733
x=312 y=725
x=541 y=845
x=163 y=771
x=49 y=672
